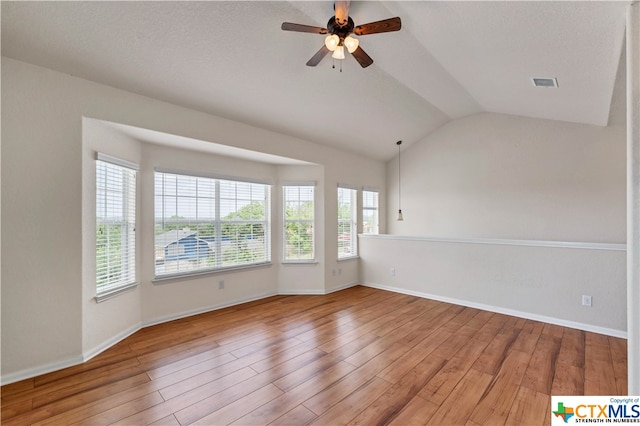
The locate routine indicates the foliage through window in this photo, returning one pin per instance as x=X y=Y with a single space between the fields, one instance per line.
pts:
x=205 y=224
x=370 y=212
x=347 y=223
x=298 y=223
x=115 y=224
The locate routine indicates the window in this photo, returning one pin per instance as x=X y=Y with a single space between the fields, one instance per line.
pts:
x=369 y=212
x=204 y=224
x=347 y=223
x=115 y=225
x=298 y=222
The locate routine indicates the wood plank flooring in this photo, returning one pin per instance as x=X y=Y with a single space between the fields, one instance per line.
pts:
x=360 y=356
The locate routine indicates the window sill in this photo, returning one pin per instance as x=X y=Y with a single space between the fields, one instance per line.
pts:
x=199 y=274
x=299 y=262
x=346 y=259
x=114 y=292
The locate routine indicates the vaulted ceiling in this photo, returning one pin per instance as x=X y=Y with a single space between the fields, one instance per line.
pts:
x=231 y=59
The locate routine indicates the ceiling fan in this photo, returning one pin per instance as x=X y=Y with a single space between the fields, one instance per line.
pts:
x=340 y=27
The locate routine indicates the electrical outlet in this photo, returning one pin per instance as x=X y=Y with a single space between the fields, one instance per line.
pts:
x=220 y=284
x=333 y=271
x=339 y=271
x=392 y=272
x=586 y=300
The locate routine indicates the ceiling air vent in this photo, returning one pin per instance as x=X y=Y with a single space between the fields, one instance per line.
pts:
x=545 y=82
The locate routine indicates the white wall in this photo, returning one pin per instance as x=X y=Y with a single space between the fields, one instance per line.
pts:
x=99 y=326
x=303 y=278
x=502 y=176
x=41 y=221
x=171 y=299
x=339 y=274
x=536 y=281
x=48 y=316
x=633 y=196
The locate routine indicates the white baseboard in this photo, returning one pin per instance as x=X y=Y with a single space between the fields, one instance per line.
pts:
x=526 y=315
x=185 y=314
x=87 y=355
x=298 y=292
x=69 y=362
x=341 y=287
x=28 y=373
x=282 y=292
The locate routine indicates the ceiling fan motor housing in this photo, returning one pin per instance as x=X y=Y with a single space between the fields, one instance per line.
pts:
x=340 y=31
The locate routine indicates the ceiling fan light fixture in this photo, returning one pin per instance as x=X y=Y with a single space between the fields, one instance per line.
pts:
x=351 y=43
x=331 y=42
x=338 y=53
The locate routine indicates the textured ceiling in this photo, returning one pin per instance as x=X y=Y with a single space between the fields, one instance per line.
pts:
x=231 y=59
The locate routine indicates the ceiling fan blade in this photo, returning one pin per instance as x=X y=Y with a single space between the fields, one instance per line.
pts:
x=384 y=26
x=361 y=56
x=342 y=12
x=289 y=26
x=315 y=59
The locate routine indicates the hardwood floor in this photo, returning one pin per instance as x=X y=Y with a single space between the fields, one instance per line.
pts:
x=358 y=356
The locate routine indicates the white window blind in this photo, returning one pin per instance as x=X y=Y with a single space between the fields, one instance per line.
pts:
x=370 y=222
x=347 y=223
x=298 y=222
x=115 y=224
x=203 y=223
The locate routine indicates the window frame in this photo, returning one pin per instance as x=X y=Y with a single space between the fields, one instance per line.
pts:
x=109 y=167
x=218 y=222
x=285 y=221
x=376 y=210
x=352 y=221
